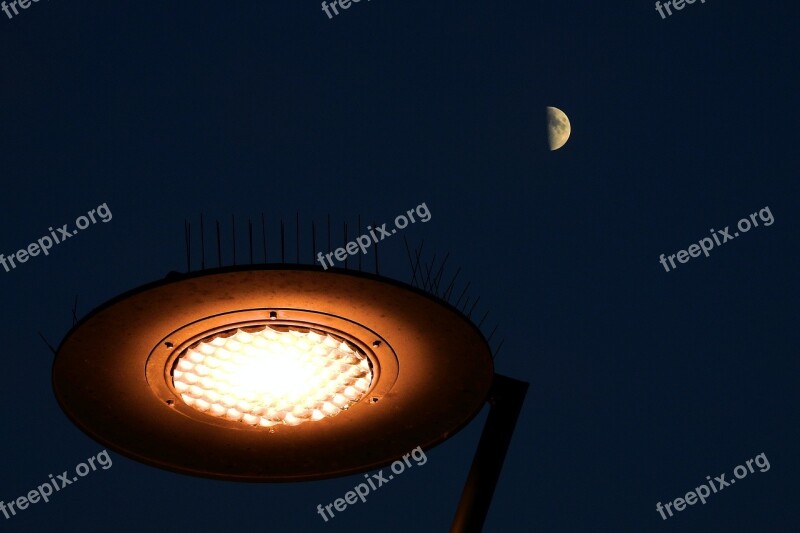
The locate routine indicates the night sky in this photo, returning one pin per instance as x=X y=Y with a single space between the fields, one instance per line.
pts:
x=642 y=381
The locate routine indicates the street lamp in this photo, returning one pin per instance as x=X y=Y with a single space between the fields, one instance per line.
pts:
x=277 y=373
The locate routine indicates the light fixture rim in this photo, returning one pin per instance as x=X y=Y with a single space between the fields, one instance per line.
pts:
x=162 y=358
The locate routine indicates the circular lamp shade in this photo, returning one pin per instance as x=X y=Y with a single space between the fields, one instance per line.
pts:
x=272 y=373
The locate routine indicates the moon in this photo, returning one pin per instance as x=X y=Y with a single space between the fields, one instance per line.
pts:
x=558 y=128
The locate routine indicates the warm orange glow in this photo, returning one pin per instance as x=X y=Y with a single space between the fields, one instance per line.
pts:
x=271 y=377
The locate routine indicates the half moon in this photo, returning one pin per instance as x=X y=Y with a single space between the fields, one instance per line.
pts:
x=558 y=128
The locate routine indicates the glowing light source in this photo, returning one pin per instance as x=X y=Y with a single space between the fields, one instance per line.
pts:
x=271 y=376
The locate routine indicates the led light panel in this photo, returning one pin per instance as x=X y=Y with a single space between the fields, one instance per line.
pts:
x=268 y=377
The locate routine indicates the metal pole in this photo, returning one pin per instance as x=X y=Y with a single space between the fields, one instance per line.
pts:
x=506 y=398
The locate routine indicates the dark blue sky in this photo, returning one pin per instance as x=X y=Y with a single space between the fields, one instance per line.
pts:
x=643 y=382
